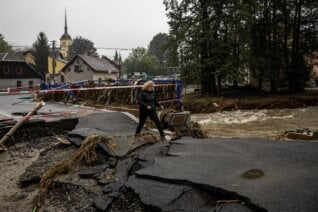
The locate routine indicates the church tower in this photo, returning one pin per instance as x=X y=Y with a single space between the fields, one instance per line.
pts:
x=65 y=41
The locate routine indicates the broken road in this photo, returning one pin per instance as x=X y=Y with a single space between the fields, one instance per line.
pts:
x=188 y=174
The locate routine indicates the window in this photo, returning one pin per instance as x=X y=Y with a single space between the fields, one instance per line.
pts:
x=100 y=80
x=6 y=69
x=18 y=69
x=77 y=61
x=78 y=68
x=19 y=84
x=31 y=83
x=62 y=79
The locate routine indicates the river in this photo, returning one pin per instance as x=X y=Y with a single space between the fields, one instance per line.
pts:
x=257 y=123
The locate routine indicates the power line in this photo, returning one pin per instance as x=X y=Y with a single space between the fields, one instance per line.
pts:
x=108 y=48
x=53 y=60
x=21 y=46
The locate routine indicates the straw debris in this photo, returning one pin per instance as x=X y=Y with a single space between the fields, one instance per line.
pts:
x=86 y=154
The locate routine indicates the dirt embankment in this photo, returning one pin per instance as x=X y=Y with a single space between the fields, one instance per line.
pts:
x=199 y=104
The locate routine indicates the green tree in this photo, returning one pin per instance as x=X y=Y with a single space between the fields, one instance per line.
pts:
x=194 y=27
x=41 y=52
x=158 y=47
x=139 y=60
x=282 y=35
x=4 y=46
x=82 y=45
x=221 y=40
x=116 y=57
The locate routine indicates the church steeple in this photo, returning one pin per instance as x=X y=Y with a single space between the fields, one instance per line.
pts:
x=65 y=40
x=65 y=26
x=65 y=36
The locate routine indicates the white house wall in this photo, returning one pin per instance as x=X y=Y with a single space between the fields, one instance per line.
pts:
x=86 y=74
x=12 y=83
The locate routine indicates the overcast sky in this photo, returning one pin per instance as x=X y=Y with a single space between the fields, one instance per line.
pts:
x=108 y=23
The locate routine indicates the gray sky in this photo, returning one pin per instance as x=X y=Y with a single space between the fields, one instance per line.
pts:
x=108 y=23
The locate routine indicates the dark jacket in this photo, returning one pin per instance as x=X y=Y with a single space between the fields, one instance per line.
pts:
x=147 y=98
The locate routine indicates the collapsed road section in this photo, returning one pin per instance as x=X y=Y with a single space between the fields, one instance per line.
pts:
x=109 y=169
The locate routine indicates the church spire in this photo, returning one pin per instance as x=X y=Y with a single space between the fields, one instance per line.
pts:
x=65 y=26
x=65 y=36
x=65 y=40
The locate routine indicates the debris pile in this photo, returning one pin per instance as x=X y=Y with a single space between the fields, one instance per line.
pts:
x=119 y=96
x=301 y=134
x=36 y=128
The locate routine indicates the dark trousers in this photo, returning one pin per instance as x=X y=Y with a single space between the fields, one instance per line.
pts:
x=153 y=116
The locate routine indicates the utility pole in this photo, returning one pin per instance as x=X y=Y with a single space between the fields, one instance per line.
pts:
x=53 y=61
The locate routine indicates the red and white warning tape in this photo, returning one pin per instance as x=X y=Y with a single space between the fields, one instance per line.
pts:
x=98 y=88
x=77 y=89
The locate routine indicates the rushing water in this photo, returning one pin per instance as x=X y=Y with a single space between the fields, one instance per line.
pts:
x=257 y=123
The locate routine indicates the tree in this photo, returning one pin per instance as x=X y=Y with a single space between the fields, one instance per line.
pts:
x=194 y=29
x=116 y=57
x=41 y=52
x=82 y=45
x=139 y=60
x=158 y=47
x=223 y=39
x=283 y=33
x=4 y=46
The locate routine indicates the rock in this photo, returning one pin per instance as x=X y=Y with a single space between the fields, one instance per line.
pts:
x=112 y=187
x=114 y=194
x=106 y=177
x=300 y=136
x=112 y=162
x=121 y=176
x=90 y=172
x=101 y=203
x=75 y=140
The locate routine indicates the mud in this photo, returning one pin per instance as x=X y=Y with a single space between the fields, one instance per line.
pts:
x=250 y=103
x=13 y=164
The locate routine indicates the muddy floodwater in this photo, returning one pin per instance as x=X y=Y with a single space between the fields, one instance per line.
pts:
x=257 y=123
